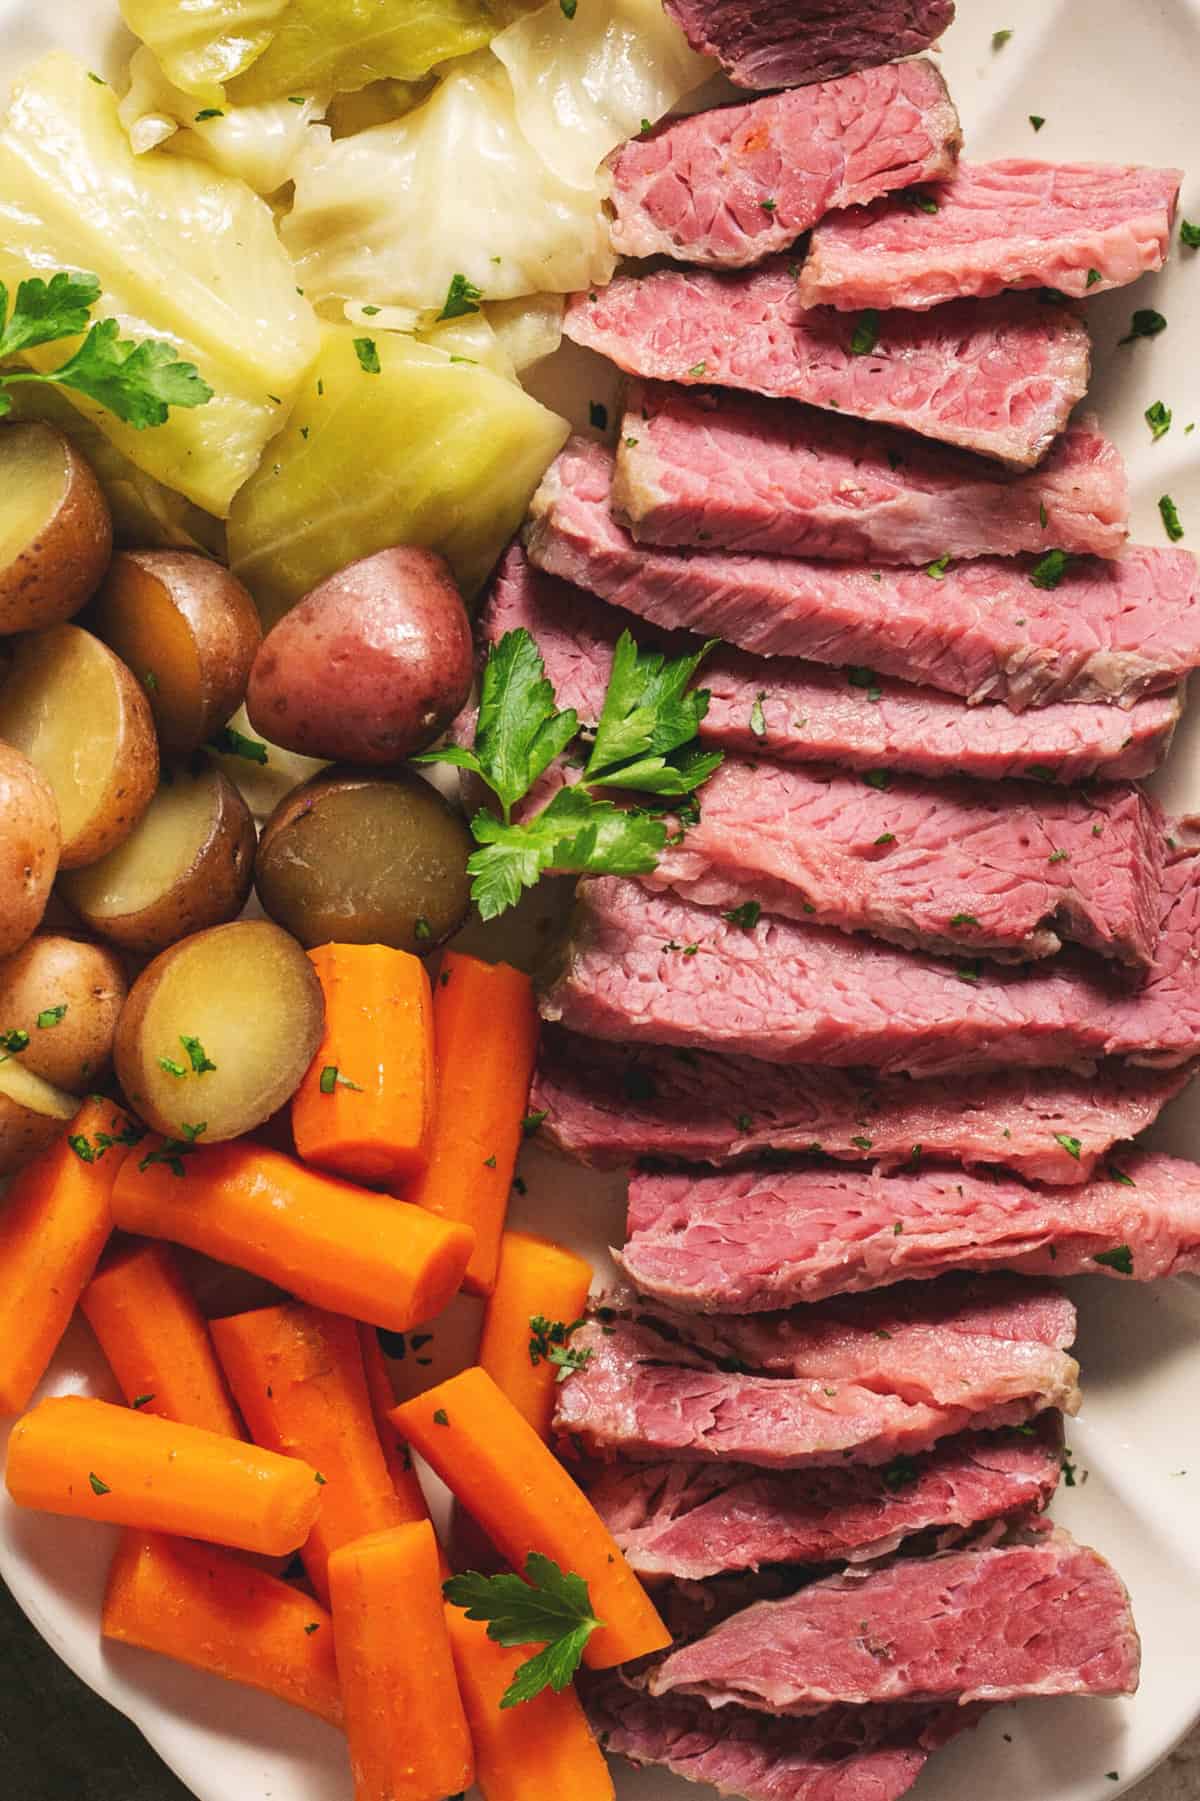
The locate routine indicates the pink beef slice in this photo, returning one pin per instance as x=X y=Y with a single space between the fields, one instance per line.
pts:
x=731 y=186
x=608 y=1104
x=1106 y=631
x=644 y=967
x=707 y=467
x=788 y=43
x=1075 y=227
x=867 y=1379
x=999 y=377
x=694 y=1522
x=999 y=869
x=750 y=1240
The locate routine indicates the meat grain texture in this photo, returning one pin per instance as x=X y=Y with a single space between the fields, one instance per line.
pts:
x=786 y=43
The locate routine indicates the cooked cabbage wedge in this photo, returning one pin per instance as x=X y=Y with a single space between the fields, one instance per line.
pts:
x=428 y=451
x=182 y=252
x=202 y=44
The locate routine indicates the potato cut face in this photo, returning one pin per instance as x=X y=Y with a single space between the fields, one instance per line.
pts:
x=162 y=848
x=34 y=474
x=24 y=1089
x=136 y=617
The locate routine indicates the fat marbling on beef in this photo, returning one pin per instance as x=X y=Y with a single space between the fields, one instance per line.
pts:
x=786 y=43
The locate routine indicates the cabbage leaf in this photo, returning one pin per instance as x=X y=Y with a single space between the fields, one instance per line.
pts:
x=182 y=253
x=204 y=43
x=428 y=451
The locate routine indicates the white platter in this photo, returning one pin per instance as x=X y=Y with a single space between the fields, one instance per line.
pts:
x=1114 y=81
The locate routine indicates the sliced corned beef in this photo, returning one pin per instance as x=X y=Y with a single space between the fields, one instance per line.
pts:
x=698 y=1521
x=841 y=1754
x=998 y=376
x=954 y=866
x=709 y=467
x=730 y=186
x=646 y=967
x=786 y=43
x=750 y=1240
x=1076 y=227
x=608 y=1104
x=1108 y=630
x=1046 y=1618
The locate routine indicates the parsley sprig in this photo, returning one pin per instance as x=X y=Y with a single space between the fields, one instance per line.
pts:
x=549 y=1607
x=550 y=1342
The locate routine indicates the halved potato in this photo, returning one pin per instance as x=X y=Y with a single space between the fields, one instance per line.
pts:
x=73 y=708
x=187 y=864
x=188 y=630
x=32 y=1115
x=261 y=772
x=29 y=846
x=242 y=998
x=67 y=995
x=55 y=528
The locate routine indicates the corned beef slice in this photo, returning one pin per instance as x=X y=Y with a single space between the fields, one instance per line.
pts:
x=607 y=1104
x=699 y=1521
x=870 y=1378
x=708 y=467
x=790 y=993
x=1076 y=227
x=732 y=185
x=997 y=376
x=1046 y=1618
x=750 y=1240
x=786 y=43
x=841 y=1754
x=1110 y=630
x=952 y=866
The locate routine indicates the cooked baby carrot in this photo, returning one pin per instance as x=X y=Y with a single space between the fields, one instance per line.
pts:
x=335 y=1245
x=516 y=1488
x=485 y=1028
x=365 y=1108
x=404 y=1718
x=156 y=1339
x=542 y=1748
x=217 y=1612
x=409 y=1492
x=54 y=1222
x=539 y=1281
x=95 y=1461
x=297 y=1375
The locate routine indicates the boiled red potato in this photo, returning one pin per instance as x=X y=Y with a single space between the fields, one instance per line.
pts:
x=219 y=1031
x=187 y=864
x=188 y=630
x=55 y=528
x=29 y=847
x=76 y=712
x=64 y=996
x=368 y=668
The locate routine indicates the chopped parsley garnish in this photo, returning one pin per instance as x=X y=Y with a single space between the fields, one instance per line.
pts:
x=598 y=415
x=1068 y=1469
x=230 y=743
x=169 y=1065
x=490 y=1162
x=885 y=838
x=1037 y=121
x=866 y=333
x=1119 y=1258
x=1158 y=418
x=963 y=919
x=1189 y=234
x=98 y=1487
x=758 y=723
x=937 y=570
x=867 y=680
x=1119 y=1176
x=999 y=39
x=1059 y=856
x=313 y=1626
x=1093 y=276
x=12 y=1043
x=197 y=1056
x=208 y=112
x=172 y=1151
x=548 y=1607
x=462 y=296
x=440 y=1417
x=746 y=916
x=422 y=930
x=1145 y=323
x=863 y=1143
x=1170 y=518
x=923 y=202
x=769 y=206
x=878 y=778
x=51 y=1016
x=1049 y=570
x=698 y=369
x=569 y=8
x=1043 y=516
x=1070 y=1145
x=900 y=1473
x=969 y=972
x=550 y=1342
x=367 y=352
x=332 y=1078
x=532 y=1121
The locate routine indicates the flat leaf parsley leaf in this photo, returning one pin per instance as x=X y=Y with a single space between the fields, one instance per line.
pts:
x=550 y=1342
x=549 y=1607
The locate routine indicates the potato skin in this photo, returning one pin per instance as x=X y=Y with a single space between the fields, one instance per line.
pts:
x=55 y=574
x=23 y=1134
x=135 y=777
x=51 y=971
x=368 y=668
x=30 y=843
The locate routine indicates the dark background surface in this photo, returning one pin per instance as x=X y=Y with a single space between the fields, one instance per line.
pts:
x=58 y=1741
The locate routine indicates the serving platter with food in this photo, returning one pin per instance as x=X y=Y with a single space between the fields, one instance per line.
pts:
x=599 y=988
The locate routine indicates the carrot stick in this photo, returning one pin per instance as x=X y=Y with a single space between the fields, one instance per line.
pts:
x=365 y=1108
x=500 y=1470
x=404 y=1718
x=536 y=1279
x=54 y=1222
x=335 y=1245
x=528 y=1753
x=297 y=1375
x=485 y=1029
x=409 y=1492
x=95 y=1461
x=156 y=1339
x=214 y=1611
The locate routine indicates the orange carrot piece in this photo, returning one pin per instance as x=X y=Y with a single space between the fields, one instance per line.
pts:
x=516 y=1488
x=95 y=1461
x=542 y=1748
x=297 y=1375
x=54 y=1222
x=335 y=1245
x=156 y=1339
x=535 y=1278
x=365 y=1108
x=404 y=1717
x=485 y=1029
x=216 y=1612
x=409 y=1493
